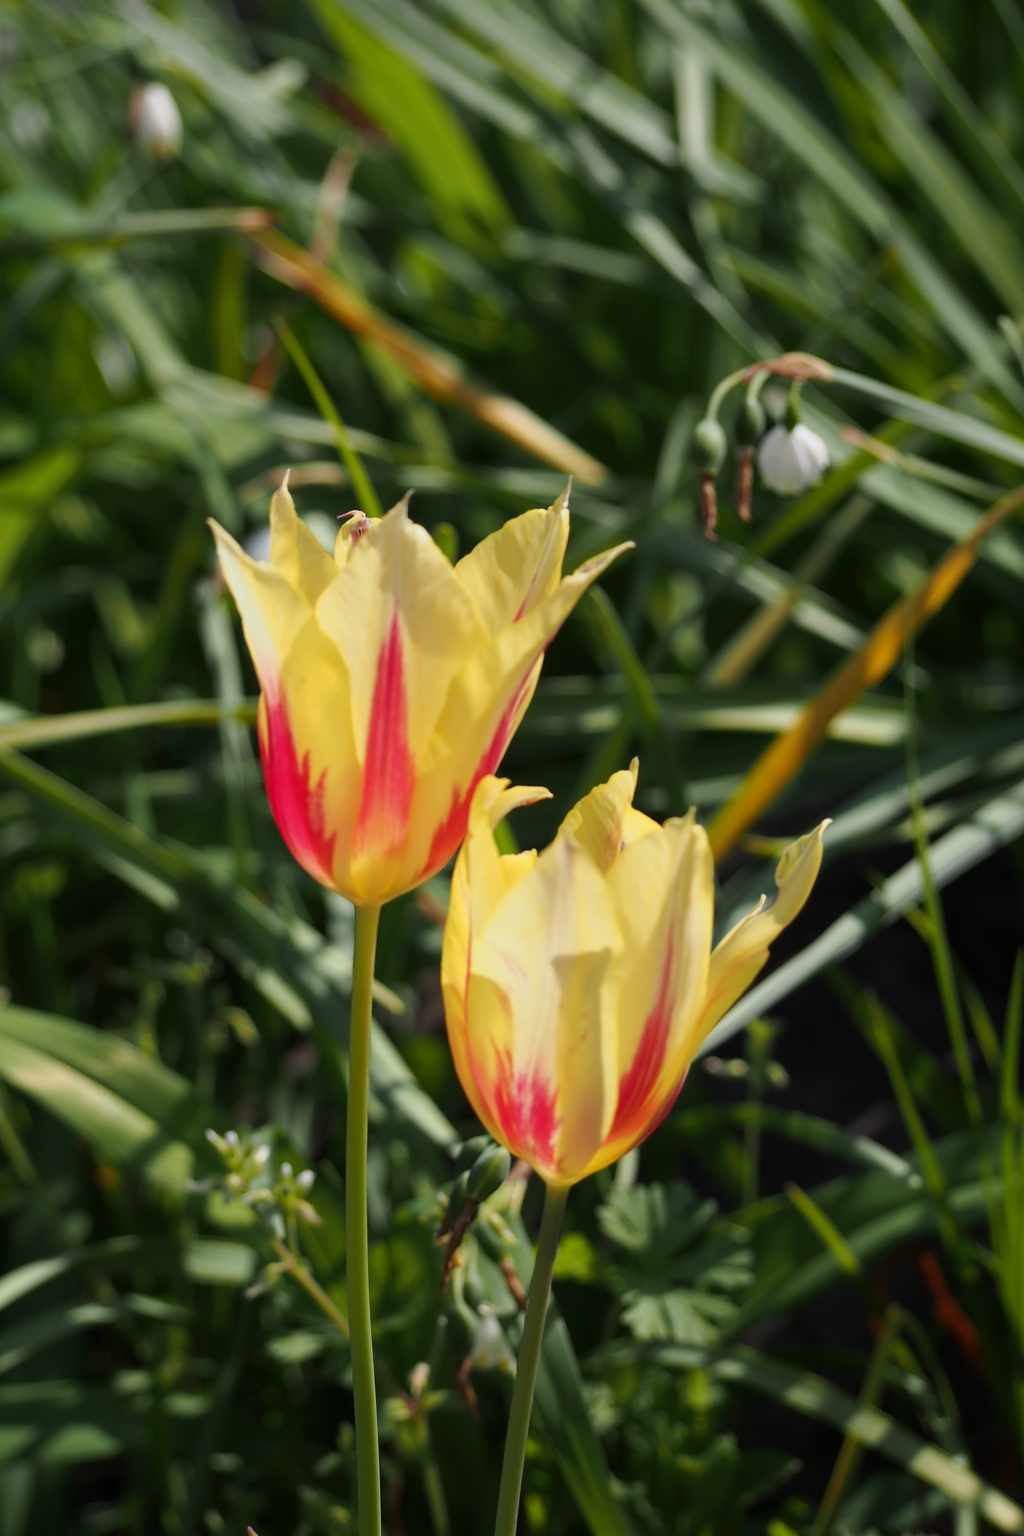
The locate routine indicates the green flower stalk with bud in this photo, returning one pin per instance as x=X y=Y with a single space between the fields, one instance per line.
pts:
x=794 y=452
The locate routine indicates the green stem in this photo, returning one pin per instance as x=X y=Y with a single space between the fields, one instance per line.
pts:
x=357 y=1257
x=529 y=1359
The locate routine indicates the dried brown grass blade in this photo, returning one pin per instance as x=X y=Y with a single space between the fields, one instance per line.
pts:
x=436 y=374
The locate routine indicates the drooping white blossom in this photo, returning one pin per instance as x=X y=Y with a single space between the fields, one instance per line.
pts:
x=791 y=458
x=156 y=121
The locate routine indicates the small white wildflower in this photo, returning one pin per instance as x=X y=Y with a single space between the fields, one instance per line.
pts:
x=791 y=458
x=156 y=121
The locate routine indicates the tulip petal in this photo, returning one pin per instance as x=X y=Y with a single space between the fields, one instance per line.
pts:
x=542 y=961
x=397 y=571
x=439 y=808
x=518 y=566
x=273 y=611
x=604 y=821
x=744 y=950
x=662 y=889
x=389 y=775
x=297 y=803
x=482 y=878
x=487 y=699
x=295 y=551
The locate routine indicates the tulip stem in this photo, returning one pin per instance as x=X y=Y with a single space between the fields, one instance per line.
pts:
x=529 y=1360
x=357 y=1256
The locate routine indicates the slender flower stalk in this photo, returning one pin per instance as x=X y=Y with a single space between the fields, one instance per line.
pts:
x=509 y=1492
x=357 y=1250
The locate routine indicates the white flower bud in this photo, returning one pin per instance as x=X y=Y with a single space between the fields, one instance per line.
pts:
x=156 y=121
x=791 y=459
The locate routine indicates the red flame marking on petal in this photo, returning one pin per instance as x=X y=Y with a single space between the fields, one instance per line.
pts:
x=298 y=805
x=638 y=1084
x=526 y=1109
x=389 y=776
x=452 y=830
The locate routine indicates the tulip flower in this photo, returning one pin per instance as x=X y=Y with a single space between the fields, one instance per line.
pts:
x=392 y=681
x=791 y=458
x=578 y=987
x=579 y=984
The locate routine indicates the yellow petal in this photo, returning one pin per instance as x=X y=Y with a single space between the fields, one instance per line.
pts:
x=662 y=888
x=518 y=566
x=306 y=744
x=487 y=698
x=397 y=574
x=604 y=821
x=475 y=726
x=480 y=880
x=534 y=1018
x=309 y=761
x=273 y=610
x=295 y=551
x=741 y=954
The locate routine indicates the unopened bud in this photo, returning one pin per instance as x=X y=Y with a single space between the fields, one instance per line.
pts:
x=751 y=422
x=488 y=1173
x=457 y=1198
x=156 y=121
x=470 y=1151
x=710 y=443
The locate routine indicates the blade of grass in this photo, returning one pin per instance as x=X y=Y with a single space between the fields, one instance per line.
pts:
x=810 y=1394
x=851 y=1452
x=784 y=758
x=992 y=826
x=937 y=938
x=361 y=482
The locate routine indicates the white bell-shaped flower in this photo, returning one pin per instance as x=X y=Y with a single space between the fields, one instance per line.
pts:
x=156 y=121
x=791 y=458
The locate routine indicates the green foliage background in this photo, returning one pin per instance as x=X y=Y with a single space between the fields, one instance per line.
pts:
x=596 y=208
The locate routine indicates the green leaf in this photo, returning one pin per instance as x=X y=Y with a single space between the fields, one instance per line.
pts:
x=440 y=153
x=813 y=1396
x=992 y=826
x=293 y=966
x=26 y=494
x=810 y=141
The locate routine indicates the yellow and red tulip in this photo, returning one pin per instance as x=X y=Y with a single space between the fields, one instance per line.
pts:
x=579 y=984
x=392 y=681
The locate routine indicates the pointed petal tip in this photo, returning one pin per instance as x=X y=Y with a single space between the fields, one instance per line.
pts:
x=400 y=510
x=494 y=798
x=601 y=562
